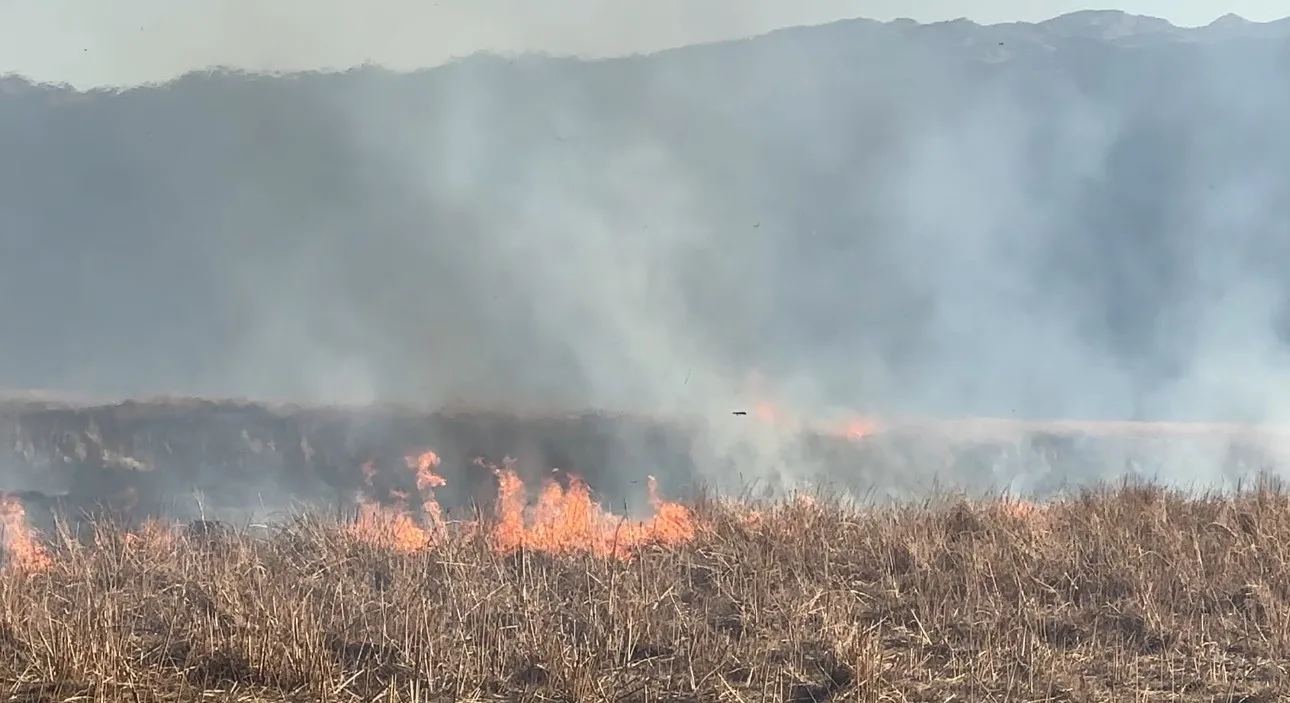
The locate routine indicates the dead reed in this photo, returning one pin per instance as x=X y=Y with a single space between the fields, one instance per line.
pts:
x=1132 y=593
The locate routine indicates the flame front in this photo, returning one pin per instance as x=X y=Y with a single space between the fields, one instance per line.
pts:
x=569 y=521
x=152 y=536
x=427 y=480
x=393 y=526
x=22 y=550
x=560 y=521
x=854 y=428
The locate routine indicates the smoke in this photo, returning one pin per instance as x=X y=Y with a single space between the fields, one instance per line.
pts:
x=940 y=220
x=140 y=41
x=91 y=44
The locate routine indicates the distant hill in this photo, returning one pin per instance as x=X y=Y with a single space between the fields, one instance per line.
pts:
x=1088 y=217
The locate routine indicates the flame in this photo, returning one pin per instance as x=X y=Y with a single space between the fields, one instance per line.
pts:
x=561 y=521
x=855 y=428
x=861 y=428
x=423 y=464
x=390 y=528
x=23 y=550
x=393 y=526
x=767 y=411
x=566 y=521
x=763 y=410
x=151 y=536
x=1024 y=510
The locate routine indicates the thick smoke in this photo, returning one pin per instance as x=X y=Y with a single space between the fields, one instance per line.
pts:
x=1022 y=221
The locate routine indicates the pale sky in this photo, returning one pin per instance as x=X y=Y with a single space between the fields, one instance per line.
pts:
x=95 y=42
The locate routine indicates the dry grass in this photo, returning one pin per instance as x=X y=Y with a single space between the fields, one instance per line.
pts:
x=1133 y=594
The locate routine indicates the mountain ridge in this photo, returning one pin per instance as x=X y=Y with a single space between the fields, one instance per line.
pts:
x=1056 y=228
x=1113 y=26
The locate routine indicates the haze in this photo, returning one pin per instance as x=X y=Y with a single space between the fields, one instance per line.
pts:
x=87 y=43
x=1082 y=218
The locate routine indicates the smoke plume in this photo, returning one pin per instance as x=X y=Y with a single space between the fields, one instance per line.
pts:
x=1084 y=219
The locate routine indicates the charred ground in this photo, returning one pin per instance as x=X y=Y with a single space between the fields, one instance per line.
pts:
x=1135 y=592
x=189 y=458
x=163 y=457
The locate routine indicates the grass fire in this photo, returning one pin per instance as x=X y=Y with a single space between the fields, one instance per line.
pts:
x=1133 y=589
x=562 y=521
x=461 y=572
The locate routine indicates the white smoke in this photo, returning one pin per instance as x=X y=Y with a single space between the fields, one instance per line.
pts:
x=871 y=217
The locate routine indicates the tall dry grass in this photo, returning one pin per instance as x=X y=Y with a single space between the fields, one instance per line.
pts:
x=1128 y=594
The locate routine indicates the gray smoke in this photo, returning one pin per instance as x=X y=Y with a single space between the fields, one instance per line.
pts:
x=1086 y=218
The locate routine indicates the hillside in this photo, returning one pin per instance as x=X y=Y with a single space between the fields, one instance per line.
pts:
x=1079 y=218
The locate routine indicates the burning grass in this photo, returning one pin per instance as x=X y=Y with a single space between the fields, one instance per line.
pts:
x=1130 y=593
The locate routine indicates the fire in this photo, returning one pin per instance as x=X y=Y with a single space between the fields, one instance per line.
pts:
x=769 y=413
x=423 y=464
x=390 y=528
x=853 y=428
x=1025 y=510
x=560 y=521
x=393 y=526
x=21 y=547
x=151 y=536
x=567 y=521
x=860 y=428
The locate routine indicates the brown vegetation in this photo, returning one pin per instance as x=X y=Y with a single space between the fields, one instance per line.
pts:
x=1134 y=593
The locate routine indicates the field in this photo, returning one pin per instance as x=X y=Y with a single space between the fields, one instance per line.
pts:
x=1131 y=593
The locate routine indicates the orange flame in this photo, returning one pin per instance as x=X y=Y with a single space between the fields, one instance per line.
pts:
x=393 y=527
x=24 y=551
x=561 y=520
x=569 y=521
x=1023 y=510
x=766 y=411
x=860 y=428
x=153 y=535
x=423 y=464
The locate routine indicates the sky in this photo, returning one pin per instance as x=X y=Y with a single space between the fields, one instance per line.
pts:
x=125 y=42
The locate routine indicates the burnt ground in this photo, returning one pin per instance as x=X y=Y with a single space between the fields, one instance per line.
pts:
x=1132 y=594
x=150 y=457
x=192 y=458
